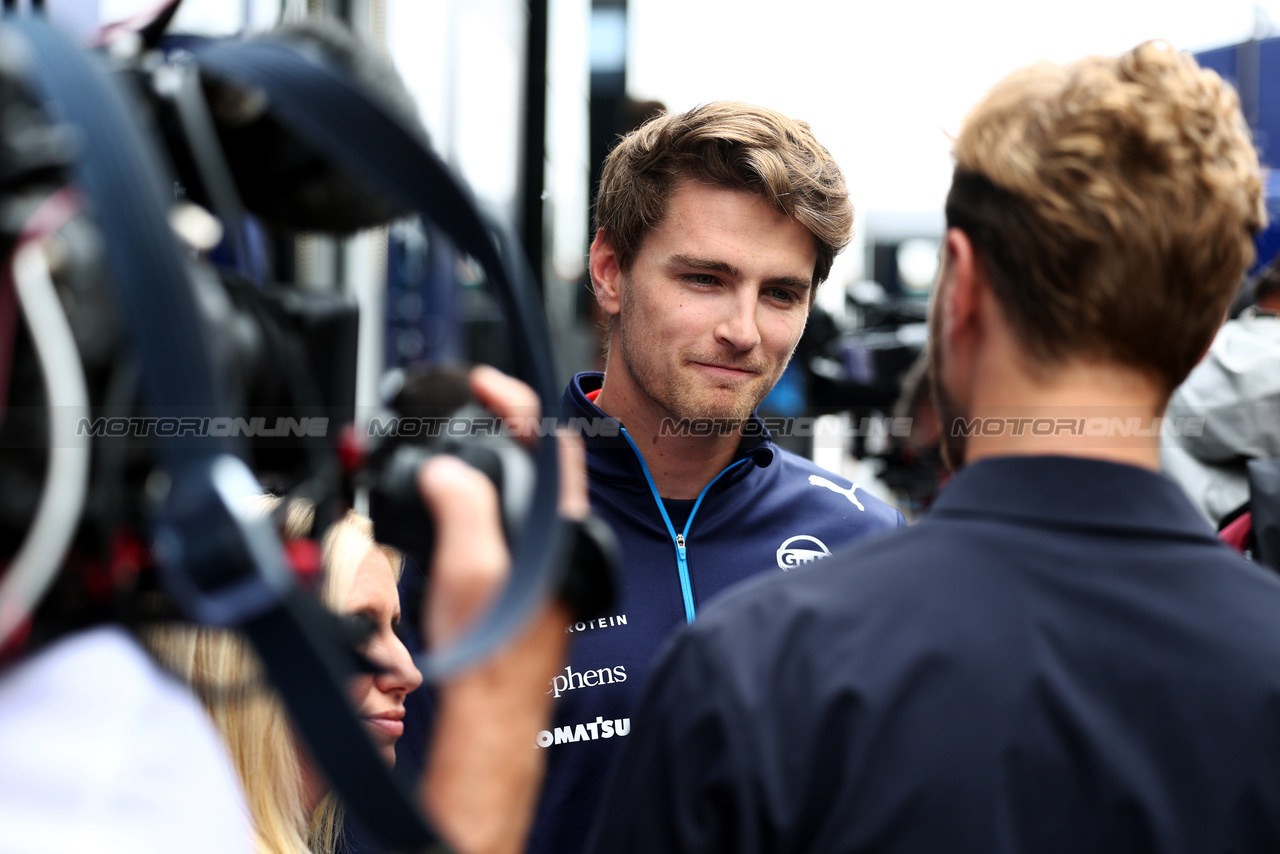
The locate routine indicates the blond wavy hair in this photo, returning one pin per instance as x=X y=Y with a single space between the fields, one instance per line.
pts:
x=732 y=145
x=1113 y=203
x=228 y=677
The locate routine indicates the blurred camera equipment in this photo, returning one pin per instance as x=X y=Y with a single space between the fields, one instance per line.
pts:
x=138 y=365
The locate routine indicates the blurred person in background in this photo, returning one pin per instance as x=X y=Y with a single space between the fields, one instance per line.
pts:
x=913 y=466
x=1060 y=656
x=1227 y=412
x=715 y=228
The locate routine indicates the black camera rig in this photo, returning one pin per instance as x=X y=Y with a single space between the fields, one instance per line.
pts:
x=123 y=322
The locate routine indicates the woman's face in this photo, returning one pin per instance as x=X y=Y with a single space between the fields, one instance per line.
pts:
x=379 y=699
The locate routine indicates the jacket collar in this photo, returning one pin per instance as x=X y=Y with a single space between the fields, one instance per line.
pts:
x=611 y=457
x=1071 y=491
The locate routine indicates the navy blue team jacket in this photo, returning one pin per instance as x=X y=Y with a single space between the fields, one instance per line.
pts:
x=1060 y=658
x=769 y=511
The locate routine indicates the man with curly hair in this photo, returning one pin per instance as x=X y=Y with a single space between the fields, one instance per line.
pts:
x=1061 y=657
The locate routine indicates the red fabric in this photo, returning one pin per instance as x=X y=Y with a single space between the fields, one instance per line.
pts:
x=12 y=647
x=129 y=557
x=351 y=453
x=305 y=557
x=1236 y=534
x=592 y=395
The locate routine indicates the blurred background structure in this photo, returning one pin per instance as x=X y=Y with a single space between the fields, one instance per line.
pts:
x=524 y=98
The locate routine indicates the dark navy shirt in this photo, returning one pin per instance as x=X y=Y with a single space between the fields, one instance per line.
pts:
x=1060 y=657
x=769 y=512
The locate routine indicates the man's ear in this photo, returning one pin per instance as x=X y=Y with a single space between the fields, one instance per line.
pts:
x=605 y=274
x=962 y=297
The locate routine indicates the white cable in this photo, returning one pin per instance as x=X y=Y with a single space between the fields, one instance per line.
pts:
x=67 y=476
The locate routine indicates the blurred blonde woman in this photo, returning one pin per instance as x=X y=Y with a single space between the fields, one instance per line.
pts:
x=292 y=811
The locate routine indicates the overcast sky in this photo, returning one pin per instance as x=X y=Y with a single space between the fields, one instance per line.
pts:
x=883 y=82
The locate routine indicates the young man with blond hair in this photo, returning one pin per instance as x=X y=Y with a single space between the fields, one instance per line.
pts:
x=715 y=228
x=1060 y=657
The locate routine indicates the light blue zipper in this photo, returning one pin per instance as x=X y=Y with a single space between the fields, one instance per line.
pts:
x=680 y=540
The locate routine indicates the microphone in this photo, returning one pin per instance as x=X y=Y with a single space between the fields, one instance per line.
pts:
x=431 y=403
x=435 y=414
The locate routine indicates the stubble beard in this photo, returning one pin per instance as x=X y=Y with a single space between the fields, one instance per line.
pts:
x=680 y=402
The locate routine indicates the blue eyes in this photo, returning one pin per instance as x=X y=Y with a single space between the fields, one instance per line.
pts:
x=707 y=281
x=780 y=295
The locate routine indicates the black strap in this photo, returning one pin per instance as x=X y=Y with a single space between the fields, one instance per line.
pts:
x=118 y=169
x=300 y=649
x=325 y=107
x=205 y=531
x=225 y=569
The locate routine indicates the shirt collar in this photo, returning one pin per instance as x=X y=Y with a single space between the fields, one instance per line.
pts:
x=1074 y=491
x=605 y=440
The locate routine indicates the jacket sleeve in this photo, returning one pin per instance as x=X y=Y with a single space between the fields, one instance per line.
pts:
x=681 y=783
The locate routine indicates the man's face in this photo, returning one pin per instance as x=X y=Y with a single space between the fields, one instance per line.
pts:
x=712 y=308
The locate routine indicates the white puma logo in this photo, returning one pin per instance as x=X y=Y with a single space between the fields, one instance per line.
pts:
x=818 y=480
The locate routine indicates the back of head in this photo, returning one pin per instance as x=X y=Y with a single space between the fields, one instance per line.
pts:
x=1113 y=204
x=732 y=145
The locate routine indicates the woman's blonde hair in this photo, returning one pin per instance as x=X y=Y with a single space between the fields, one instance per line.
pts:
x=228 y=676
